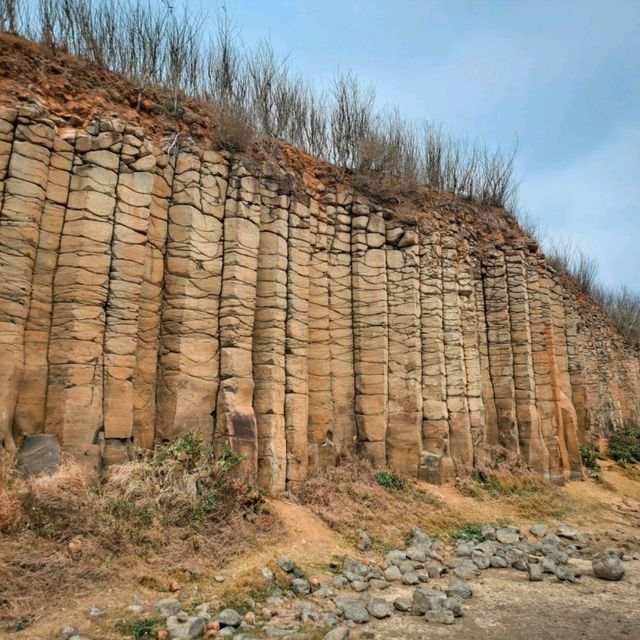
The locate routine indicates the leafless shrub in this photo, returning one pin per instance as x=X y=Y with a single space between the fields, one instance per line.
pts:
x=155 y=46
x=565 y=256
x=622 y=305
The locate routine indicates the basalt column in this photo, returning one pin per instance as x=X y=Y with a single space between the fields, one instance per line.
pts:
x=269 y=336
x=81 y=287
x=565 y=412
x=21 y=203
x=472 y=332
x=130 y=223
x=370 y=327
x=405 y=361
x=435 y=460
x=235 y=417
x=297 y=340
x=188 y=375
x=500 y=355
x=149 y=316
x=533 y=450
x=30 y=411
x=340 y=324
x=321 y=414
x=457 y=403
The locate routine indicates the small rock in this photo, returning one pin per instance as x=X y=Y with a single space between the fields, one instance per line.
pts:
x=538 y=530
x=407 y=566
x=440 y=616
x=392 y=574
x=300 y=587
x=410 y=578
x=286 y=564
x=498 y=562
x=364 y=541
x=614 y=551
x=465 y=548
x=219 y=579
x=548 y=565
x=436 y=570
x=480 y=559
x=94 y=612
x=379 y=608
x=608 y=568
x=454 y=604
x=340 y=582
x=250 y=618
x=168 y=607
x=174 y=586
x=376 y=583
x=488 y=532
x=571 y=533
x=353 y=610
x=416 y=554
x=359 y=586
x=565 y=573
x=339 y=633
x=67 y=632
x=507 y=535
x=266 y=574
x=458 y=588
x=202 y=611
x=425 y=599
x=185 y=629
x=534 y=571
x=402 y=604
x=229 y=618
x=466 y=571
x=395 y=557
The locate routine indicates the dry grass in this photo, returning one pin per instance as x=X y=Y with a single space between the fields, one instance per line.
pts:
x=350 y=497
x=63 y=535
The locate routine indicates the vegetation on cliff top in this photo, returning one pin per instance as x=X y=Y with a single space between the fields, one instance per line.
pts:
x=254 y=96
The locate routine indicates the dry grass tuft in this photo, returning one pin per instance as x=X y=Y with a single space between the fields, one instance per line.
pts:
x=350 y=497
x=61 y=535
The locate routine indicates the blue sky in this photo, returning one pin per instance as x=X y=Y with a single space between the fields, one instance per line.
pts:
x=563 y=78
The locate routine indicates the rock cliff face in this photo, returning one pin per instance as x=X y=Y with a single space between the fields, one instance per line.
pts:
x=148 y=292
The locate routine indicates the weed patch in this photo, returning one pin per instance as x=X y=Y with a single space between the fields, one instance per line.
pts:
x=624 y=445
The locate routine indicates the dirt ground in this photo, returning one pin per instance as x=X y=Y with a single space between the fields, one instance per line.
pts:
x=504 y=605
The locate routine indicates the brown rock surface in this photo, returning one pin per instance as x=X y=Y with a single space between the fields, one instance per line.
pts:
x=145 y=292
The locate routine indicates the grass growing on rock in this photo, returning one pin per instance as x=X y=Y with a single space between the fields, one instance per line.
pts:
x=62 y=535
x=351 y=493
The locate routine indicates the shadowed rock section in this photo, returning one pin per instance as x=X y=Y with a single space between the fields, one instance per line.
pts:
x=145 y=293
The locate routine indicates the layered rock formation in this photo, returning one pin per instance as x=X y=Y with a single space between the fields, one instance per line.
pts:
x=146 y=292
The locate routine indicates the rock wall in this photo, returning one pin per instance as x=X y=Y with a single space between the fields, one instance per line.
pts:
x=148 y=292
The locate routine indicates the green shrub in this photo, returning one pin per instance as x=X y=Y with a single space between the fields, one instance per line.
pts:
x=140 y=629
x=390 y=480
x=624 y=445
x=589 y=457
x=470 y=532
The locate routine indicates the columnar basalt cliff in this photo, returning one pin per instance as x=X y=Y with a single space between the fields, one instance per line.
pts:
x=146 y=292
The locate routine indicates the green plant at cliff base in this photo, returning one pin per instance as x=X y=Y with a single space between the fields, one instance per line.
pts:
x=390 y=480
x=589 y=457
x=624 y=445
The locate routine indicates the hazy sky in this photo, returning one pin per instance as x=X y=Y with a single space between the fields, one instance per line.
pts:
x=562 y=77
